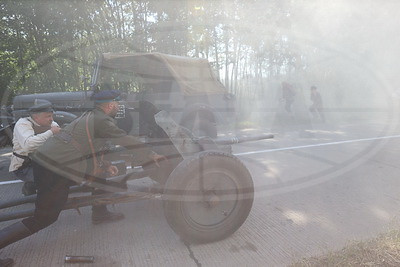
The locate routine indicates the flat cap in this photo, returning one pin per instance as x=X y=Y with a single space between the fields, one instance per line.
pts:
x=106 y=96
x=41 y=105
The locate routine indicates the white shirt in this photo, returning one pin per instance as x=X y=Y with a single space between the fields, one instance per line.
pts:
x=25 y=141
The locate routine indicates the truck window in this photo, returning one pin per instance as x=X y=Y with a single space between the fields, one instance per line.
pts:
x=113 y=79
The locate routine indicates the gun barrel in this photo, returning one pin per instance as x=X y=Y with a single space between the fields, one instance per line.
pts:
x=241 y=139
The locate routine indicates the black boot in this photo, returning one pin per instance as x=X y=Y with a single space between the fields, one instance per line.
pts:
x=13 y=233
x=100 y=214
x=6 y=262
x=29 y=188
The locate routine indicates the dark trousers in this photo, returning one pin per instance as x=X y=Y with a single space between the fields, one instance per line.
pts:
x=317 y=111
x=52 y=194
x=288 y=105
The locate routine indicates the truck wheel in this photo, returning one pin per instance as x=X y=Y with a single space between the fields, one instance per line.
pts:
x=6 y=137
x=4 y=140
x=201 y=128
x=208 y=197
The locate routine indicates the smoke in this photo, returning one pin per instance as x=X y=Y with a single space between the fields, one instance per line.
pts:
x=363 y=33
x=349 y=50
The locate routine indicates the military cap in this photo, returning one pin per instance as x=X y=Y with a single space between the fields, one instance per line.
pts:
x=41 y=105
x=106 y=96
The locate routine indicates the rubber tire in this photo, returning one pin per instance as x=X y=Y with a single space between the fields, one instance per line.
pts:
x=4 y=141
x=179 y=198
x=201 y=128
x=6 y=137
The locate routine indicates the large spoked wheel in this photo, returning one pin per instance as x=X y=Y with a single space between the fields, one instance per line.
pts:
x=208 y=197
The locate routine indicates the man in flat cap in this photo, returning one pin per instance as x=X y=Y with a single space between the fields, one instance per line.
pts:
x=30 y=133
x=72 y=155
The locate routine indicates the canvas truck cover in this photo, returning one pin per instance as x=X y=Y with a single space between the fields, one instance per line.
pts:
x=193 y=76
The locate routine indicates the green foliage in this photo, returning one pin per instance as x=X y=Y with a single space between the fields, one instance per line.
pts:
x=49 y=46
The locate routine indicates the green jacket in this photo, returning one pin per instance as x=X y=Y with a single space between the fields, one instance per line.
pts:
x=73 y=158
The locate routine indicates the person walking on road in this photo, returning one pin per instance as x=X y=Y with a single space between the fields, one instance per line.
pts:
x=71 y=156
x=288 y=95
x=317 y=106
x=30 y=133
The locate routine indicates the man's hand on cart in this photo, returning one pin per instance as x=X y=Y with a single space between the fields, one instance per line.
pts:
x=55 y=129
x=112 y=170
x=157 y=158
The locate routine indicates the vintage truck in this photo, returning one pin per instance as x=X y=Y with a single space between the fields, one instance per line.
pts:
x=185 y=87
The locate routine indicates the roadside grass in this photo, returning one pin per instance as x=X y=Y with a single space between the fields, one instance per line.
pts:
x=383 y=250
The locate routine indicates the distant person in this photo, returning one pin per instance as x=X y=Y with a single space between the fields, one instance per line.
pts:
x=288 y=94
x=316 y=108
x=29 y=134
